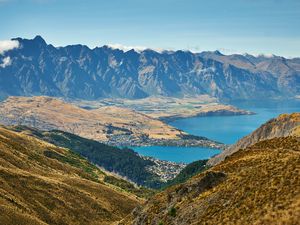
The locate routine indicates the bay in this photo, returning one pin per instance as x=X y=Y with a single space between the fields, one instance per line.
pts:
x=225 y=129
x=229 y=129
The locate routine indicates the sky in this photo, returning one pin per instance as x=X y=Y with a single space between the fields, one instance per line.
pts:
x=231 y=26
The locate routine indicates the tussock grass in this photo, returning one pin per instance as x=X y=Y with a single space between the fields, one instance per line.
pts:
x=44 y=184
x=261 y=185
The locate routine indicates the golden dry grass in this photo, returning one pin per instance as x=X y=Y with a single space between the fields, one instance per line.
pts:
x=261 y=186
x=282 y=126
x=35 y=189
x=49 y=113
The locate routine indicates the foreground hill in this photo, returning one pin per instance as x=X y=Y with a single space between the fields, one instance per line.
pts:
x=257 y=185
x=282 y=126
x=78 y=72
x=45 y=184
x=110 y=124
x=124 y=162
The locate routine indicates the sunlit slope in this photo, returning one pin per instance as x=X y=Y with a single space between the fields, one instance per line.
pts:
x=101 y=124
x=257 y=185
x=45 y=184
x=282 y=126
x=124 y=162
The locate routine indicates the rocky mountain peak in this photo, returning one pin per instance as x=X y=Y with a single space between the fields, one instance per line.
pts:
x=76 y=71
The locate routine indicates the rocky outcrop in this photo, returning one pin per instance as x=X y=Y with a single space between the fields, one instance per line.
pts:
x=282 y=126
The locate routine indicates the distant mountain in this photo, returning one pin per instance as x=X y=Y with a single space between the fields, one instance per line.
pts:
x=76 y=71
x=282 y=126
x=257 y=185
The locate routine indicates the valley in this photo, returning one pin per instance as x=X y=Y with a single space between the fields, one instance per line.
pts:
x=72 y=164
x=258 y=183
x=161 y=112
x=123 y=163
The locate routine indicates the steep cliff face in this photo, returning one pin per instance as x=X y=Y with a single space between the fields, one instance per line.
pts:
x=76 y=71
x=257 y=185
x=282 y=126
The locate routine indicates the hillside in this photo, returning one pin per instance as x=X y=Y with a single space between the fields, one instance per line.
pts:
x=257 y=185
x=109 y=124
x=282 y=126
x=124 y=162
x=45 y=184
x=78 y=72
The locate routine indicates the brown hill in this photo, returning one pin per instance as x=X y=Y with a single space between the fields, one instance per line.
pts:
x=258 y=185
x=44 y=184
x=108 y=124
x=282 y=126
x=104 y=124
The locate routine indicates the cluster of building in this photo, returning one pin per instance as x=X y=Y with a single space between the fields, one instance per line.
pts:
x=166 y=170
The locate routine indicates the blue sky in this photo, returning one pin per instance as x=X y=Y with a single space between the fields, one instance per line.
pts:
x=253 y=26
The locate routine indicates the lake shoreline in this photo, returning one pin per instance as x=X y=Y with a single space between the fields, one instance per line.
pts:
x=224 y=113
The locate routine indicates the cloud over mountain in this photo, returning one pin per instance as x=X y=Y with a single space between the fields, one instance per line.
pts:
x=5 y=62
x=7 y=45
x=76 y=71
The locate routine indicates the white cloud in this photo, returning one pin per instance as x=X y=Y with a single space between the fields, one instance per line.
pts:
x=265 y=55
x=5 y=62
x=126 y=48
x=7 y=45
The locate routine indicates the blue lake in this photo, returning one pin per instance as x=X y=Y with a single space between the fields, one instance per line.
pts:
x=226 y=129
x=177 y=154
x=229 y=129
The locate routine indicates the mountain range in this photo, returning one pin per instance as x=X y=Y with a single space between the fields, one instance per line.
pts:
x=78 y=72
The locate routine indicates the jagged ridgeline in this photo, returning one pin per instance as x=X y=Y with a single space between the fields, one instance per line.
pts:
x=76 y=71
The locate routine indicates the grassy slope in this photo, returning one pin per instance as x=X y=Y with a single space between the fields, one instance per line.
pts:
x=258 y=185
x=41 y=183
x=282 y=126
x=124 y=162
